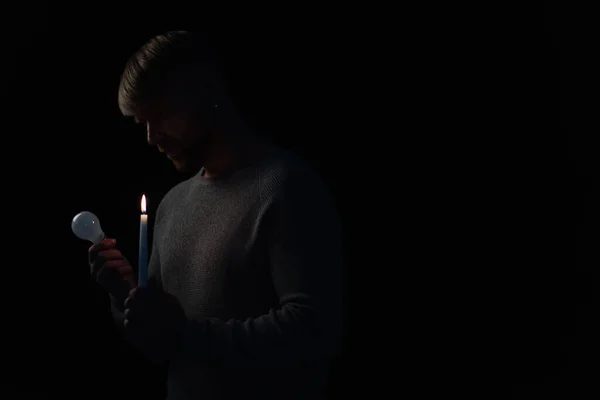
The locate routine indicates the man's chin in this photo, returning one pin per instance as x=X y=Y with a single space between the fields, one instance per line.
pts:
x=185 y=167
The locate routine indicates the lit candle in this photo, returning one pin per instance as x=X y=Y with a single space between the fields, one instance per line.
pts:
x=143 y=253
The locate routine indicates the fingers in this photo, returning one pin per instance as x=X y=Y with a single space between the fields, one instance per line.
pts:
x=103 y=257
x=115 y=262
x=135 y=297
x=129 y=316
x=112 y=258
x=140 y=298
x=103 y=245
x=129 y=312
x=110 y=254
x=96 y=248
x=125 y=271
x=136 y=305
x=112 y=271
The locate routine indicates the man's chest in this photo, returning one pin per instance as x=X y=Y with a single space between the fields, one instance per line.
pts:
x=208 y=254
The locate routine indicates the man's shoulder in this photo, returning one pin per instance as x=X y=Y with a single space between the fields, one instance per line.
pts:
x=290 y=174
x=289 y=168
x=299 y=193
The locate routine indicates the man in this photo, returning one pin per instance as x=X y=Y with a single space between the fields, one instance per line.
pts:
x=245 y=273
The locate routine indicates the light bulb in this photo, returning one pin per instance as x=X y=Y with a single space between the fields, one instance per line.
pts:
x=86 y=226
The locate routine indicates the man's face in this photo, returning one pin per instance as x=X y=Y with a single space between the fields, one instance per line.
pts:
x=179 y=132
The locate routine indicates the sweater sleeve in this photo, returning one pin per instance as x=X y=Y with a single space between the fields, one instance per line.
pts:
x=305 y=255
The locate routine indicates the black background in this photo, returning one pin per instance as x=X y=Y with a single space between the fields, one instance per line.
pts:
x=459 y=140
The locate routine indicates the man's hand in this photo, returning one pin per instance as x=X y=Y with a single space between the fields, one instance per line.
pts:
x=154 y=322
x=111 y=269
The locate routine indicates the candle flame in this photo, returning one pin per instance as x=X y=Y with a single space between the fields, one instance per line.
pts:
x=143 y=204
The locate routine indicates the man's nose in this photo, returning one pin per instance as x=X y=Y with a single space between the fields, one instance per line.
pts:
x=151 y=134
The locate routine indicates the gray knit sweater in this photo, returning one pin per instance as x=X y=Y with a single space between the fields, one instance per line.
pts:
x=255 y=259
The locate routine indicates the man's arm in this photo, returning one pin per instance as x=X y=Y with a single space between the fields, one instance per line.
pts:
x=117 y=304
x=305 y=250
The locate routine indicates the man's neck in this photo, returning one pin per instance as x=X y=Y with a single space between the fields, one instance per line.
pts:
x=232 y=152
